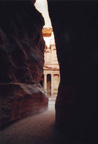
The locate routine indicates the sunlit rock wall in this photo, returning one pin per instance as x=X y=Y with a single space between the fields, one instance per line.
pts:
x=21 y=61
x=75 y=26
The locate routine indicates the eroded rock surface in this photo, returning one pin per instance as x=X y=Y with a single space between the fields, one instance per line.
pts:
x=21 y=60
x=21 y=100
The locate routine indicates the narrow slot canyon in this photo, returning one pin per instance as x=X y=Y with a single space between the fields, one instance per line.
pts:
x=48 y=72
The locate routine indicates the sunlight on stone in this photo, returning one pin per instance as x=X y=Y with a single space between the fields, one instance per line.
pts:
x=42 y=7
x=51 y=66
x=51 y=76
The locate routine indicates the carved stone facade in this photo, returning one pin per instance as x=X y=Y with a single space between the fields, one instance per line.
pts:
x=51 y=75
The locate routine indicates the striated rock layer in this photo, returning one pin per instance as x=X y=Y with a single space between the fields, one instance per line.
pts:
x=21 y=60
x=75 y=26
x=20 y=100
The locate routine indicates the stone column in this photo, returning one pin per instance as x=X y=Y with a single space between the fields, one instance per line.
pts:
x=52 y=88
x=45 y=82
x=52 y=53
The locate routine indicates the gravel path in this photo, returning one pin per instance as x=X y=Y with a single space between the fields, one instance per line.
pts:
x=37 y=129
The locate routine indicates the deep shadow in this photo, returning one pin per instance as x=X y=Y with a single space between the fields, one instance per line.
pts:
x=75 y=27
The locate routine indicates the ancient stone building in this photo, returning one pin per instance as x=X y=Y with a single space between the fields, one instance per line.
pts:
x=51 y=76
x=75 y=26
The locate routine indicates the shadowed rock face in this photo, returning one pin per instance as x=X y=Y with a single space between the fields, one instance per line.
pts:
x=75 y=27
x=21 y=59
x=22 y=45
x=20 y=100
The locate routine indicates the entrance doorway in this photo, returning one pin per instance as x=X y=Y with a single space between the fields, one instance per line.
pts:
x=42 y=79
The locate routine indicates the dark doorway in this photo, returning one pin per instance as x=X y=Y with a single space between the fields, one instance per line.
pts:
x=42 y=79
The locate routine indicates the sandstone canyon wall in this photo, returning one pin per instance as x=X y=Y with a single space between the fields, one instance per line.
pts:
x=21 y=61
x=75 y=26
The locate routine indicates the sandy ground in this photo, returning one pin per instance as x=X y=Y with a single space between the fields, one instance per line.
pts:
x=37 y=129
